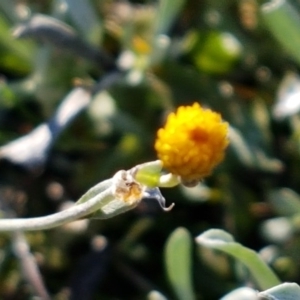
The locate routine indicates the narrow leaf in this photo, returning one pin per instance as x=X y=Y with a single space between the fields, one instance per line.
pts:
x=167 y=12
x=283 y=21
x=220 y=240
x=284 y=291
x=178 y=263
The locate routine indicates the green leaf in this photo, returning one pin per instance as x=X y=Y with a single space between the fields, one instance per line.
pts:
x=215 y=52
x=283 y=21
x=178 y=263
x=15 y=55
x=167 y=12
x=284 y=291
x=221 y=240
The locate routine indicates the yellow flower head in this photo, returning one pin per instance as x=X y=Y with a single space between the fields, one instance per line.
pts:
x=192 y=142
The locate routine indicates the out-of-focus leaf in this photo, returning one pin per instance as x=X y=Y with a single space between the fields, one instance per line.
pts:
x=101 y=110
x=214 y=52
x=9 y=9
x=240 y=146
x=277 y=230
x=266 y=163
x=250 y=156
x=71 y=106
x=55 y=32
x=7 y=95
x=178 y=263
x=285 y=201
x=31 y=150
x=269 y=253
x=220 y=240
x=155 y=295
x=46 y=29
x=84 y=16
x=167 y=12
x=284 y=291
x=288 y=96
x=261 y=117
x=283 y=21
x=244 y=293
x=199 y=193
x=15 y=56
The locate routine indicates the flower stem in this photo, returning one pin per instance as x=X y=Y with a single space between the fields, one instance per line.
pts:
x=60 y=218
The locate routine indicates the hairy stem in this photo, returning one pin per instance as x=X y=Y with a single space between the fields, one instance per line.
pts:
x=57 y=219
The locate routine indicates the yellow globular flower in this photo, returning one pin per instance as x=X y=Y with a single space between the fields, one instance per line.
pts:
x=192 y=142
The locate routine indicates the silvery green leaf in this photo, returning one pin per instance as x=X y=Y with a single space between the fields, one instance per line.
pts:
x=178 y=263
x=74 y=103
x=284 y=291
x=95 y=190
x=31 y=150
x=199 y=193
x=244 y=293
x=55 y=32
x=221 y=240
x=47 y=29
x=84 y=16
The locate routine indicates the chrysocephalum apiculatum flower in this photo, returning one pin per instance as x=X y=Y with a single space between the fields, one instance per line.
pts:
x=192 y=142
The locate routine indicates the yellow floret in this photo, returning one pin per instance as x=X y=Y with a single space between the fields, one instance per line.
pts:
x=192 y=142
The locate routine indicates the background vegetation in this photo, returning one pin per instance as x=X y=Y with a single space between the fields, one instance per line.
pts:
x=235 y=57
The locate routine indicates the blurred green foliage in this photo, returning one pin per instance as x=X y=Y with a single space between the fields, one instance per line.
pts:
x=231 y=56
